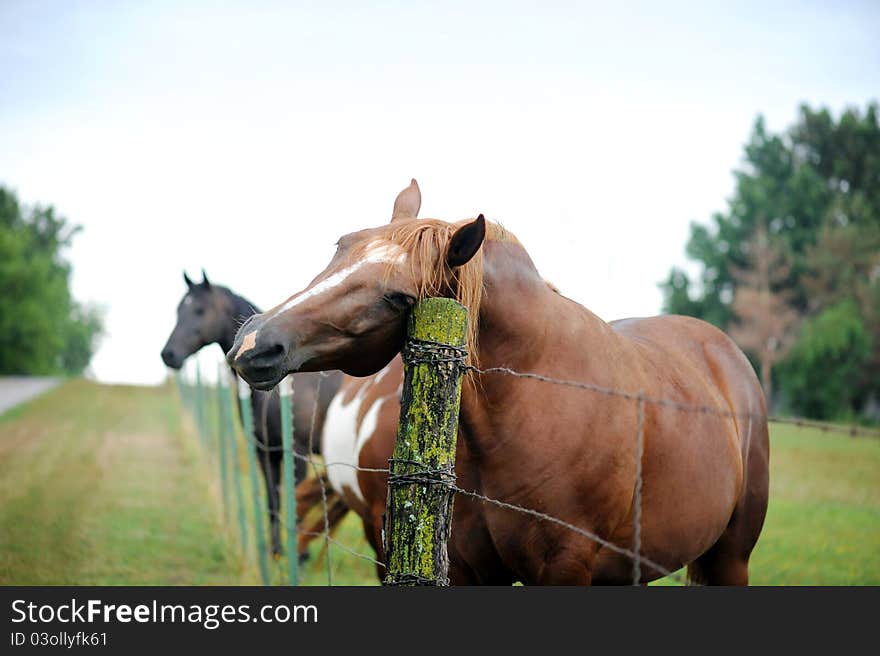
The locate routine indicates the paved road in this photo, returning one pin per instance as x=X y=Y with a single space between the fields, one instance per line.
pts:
x=18 y=389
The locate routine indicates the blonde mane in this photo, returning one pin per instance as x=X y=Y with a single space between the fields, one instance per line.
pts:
x=425 y=242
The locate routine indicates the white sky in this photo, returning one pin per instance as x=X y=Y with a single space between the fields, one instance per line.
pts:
x=246 y=138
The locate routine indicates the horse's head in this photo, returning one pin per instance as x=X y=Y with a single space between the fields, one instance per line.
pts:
x=352 y=316
x=200 y=318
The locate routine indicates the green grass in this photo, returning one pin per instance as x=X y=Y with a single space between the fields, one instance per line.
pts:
x=823 y=523
x=111 y=485
x=99 y=486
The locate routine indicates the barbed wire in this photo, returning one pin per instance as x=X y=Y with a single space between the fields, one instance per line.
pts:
x=432 y=480
x=346 y=548
x=416 y=357
x=826 y=427
x=678 y=405
x=576 y=529
x=414 y=478
x=497 y=502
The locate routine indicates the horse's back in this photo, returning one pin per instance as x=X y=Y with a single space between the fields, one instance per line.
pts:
x=696 y=348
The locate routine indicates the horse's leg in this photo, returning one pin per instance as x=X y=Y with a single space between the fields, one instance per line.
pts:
x=275 y=459
x=727 y=561
x=270 y=463
x=373 y=531
x=300 y=463
x=299 y=474
x=570 y=561
x=565 y=571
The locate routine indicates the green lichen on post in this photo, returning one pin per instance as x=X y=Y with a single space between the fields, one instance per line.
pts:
x=419 y=513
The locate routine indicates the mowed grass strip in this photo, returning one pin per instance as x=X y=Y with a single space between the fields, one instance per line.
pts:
x=100 y=486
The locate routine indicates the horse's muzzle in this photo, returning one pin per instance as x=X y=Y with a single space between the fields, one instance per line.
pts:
x=259 y=356
x=171 y=359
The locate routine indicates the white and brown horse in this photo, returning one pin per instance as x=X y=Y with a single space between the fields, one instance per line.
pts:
x=559 y=450
x=357 y=442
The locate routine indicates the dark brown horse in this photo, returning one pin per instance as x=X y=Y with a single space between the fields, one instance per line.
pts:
x=559 y=450
x=211 y=314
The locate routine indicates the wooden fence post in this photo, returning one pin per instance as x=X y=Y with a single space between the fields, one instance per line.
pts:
x=418 y=517
x=285 y=390
x=247 y=423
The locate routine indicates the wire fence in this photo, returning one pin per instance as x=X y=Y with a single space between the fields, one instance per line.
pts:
x=220 y=427
x=643 y=568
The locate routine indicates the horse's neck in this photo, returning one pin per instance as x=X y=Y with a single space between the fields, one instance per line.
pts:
x=523 y=320
x=526 y=326
x=236 y=310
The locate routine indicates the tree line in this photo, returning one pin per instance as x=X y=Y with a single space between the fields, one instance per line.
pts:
x=791 y=269
x=43 y=330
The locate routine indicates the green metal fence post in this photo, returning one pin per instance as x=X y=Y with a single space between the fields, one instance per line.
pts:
x=285 y=390
x=183 y=404
x=228 y=401
x=200 y=405
x=222 y=443
x=247 y=421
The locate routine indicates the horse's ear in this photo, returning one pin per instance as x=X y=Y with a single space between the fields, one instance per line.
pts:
x=189 y=283
x=205 y=282
x=408 y=202
x=466 y=242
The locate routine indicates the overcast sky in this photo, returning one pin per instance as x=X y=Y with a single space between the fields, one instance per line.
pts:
x=247 y=137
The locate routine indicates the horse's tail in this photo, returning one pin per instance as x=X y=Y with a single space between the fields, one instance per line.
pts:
x=315 y=494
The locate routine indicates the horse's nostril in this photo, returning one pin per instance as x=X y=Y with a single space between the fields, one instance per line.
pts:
x=270 y=353
x=264 y=355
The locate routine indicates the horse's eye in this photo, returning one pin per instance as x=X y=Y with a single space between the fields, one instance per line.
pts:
x=398 y=300
x=200 y=311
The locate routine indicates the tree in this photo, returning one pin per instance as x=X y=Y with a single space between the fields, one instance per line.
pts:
x=765 y=320
x=43 y=331
x=827 y=361
x=845 y=265
x=815 y=189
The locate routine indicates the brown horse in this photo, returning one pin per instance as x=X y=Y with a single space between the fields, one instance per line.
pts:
x=566 y=452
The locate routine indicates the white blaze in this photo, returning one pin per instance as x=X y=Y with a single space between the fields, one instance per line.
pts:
x=378 y=251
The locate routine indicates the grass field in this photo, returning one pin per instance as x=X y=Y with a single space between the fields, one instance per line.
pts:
x=109 y=485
